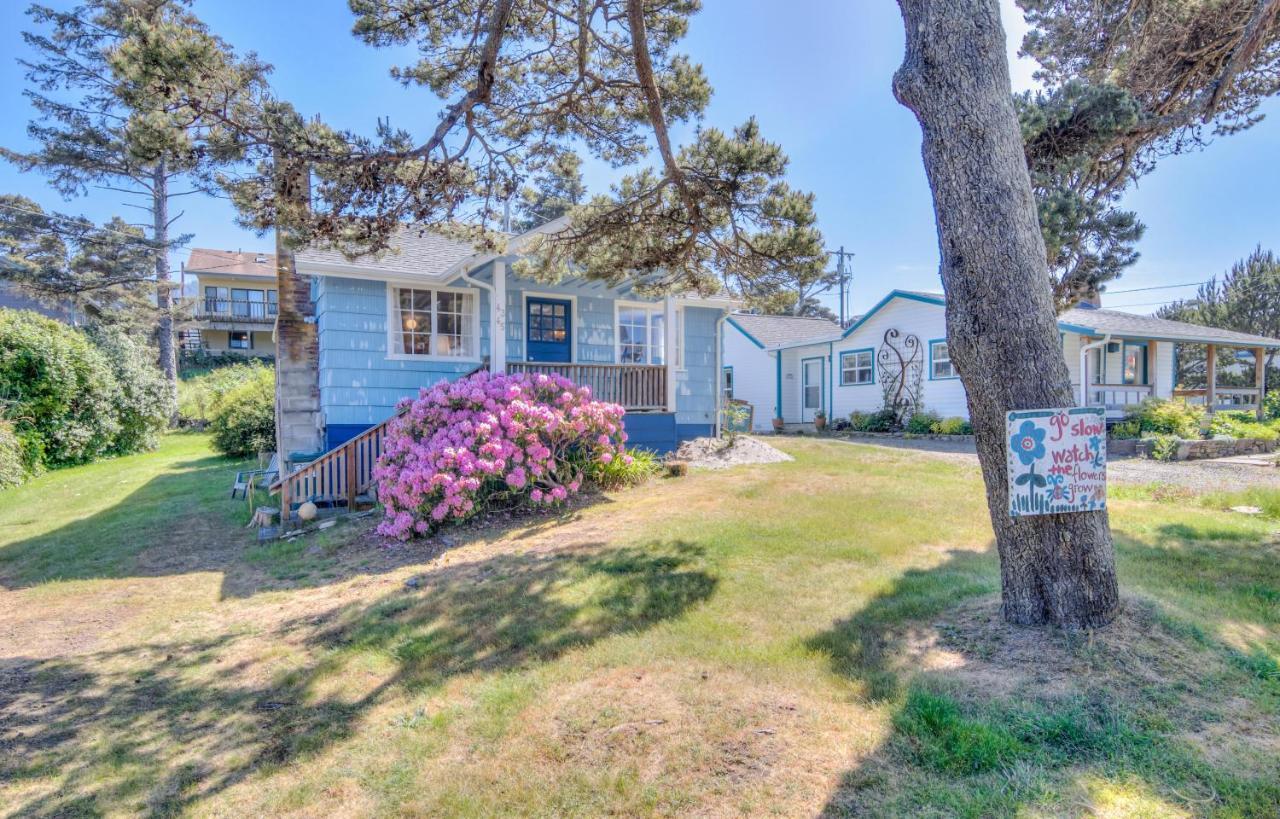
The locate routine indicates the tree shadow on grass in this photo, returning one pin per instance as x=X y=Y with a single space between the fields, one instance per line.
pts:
x=159 y=728
x=1155 y=713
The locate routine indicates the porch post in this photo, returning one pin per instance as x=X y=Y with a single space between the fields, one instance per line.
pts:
x=669 y=349
x=1211 y=377
x=1260 y=375
x=498 y=319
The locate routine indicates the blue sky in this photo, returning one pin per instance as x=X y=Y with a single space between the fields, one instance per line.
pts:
x=816 y=73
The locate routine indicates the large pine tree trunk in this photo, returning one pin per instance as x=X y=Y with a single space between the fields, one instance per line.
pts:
x=1056 y=569
x=160 y=234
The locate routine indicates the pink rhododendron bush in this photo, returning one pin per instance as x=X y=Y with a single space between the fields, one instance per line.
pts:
x=492 y=441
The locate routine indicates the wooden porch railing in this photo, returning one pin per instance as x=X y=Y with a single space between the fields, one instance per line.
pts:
x=343 y=473
x=634 y=386
x=1224 y=398
x=1118 y=396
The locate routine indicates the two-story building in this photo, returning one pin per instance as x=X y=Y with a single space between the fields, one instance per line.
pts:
x=233 y=309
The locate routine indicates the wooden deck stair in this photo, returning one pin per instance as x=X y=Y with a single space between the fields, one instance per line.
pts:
x=341 y=476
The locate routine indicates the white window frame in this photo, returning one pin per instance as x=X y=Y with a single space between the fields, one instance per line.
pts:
x=871 y=367
x=652 y=309
x=393 y=322
x=525 y=295
x=934 y=361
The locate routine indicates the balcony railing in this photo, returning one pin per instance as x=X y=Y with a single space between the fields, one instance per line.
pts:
x=634 y=386
x=258 y=312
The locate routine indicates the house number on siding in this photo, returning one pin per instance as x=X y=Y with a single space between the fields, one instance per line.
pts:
x=1057 y=460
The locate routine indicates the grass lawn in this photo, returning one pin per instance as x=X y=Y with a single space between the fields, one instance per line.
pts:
x=810 y=637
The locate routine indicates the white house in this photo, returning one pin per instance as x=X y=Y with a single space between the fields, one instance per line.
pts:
x=750 y=344
x=1115 y=359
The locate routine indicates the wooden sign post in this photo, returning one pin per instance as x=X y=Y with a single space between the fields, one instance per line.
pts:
x=1057 y=460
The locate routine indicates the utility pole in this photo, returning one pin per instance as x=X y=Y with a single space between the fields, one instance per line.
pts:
x=843 y=274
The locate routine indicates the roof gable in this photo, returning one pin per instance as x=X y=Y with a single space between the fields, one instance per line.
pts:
x=775 y=331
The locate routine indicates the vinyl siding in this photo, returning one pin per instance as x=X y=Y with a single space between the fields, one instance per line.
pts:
x=754 y=375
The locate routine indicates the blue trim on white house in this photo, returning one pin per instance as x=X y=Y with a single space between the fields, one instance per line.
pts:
x=893 y=294
x=822 y=362
x=750 y=337
x=831 y=380
x=844 y=353
x=951 y=361
x=777 y=407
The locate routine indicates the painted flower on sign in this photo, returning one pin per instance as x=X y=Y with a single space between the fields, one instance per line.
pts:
x=1028 y=442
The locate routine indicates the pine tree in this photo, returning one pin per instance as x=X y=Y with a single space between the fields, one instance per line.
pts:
x=109 y=118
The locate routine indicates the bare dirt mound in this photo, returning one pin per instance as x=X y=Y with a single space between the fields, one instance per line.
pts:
x=714 y=453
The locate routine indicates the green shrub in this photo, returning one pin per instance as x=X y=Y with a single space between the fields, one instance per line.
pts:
x=146 y=404
x=14 y=468
x=954 y=425
x=197 y=395
x=1271 y=405
x=631 y=469
x=243 y=419
x=884 y=420
x=1164 y=447
x=57 y=388
x=1238 y=424
x=1127 y=430
x=1176 y=418
x=923 y=422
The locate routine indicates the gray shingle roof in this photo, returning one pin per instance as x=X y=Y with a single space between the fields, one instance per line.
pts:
x=414 y=251
x=1116 y=322
x=774 y=330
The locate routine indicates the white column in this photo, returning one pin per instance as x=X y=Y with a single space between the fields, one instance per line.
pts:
x=498 y=319
x=669 y=349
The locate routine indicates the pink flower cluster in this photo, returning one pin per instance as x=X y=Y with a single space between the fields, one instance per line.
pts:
x=490 y=439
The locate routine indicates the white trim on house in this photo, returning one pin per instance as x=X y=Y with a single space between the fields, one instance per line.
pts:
x=574 y=317
x=393 y=321
x=651 y=307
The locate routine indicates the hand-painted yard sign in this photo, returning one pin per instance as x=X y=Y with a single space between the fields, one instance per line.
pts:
x=1057 y=460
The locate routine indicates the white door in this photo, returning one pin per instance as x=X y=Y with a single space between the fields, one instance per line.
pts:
x=810 y=388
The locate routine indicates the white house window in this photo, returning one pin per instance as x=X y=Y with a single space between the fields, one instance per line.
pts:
x=728 y=383
x=641 y=334
x=240 y=340
x=434 y=323
x=856 y=368
x=940 y=361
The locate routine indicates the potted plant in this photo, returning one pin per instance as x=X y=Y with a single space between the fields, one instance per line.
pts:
x=820 y=420
x=778 y=424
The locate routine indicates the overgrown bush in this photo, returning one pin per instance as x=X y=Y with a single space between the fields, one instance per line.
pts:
x=884 y=420
x=58 y=389
x=954 y=425
x=1164 y=447
x=14 y=468
x=1126 y=430
x=1240 y=424
x=1271 y=405
x=922 y=423
x=1176 y=418
x=145 y=404
x=631 y=469
x=492 y=440
x=198 y=394
x=243 y=419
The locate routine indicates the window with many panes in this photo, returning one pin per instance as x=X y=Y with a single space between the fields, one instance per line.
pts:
x=548 y=321
x=856 y=367
x=433 y=323
x=641 y=334
x=940 y=361
x=728 y=383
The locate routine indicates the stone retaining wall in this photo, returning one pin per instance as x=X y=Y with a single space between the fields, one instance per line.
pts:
x=1195 y=450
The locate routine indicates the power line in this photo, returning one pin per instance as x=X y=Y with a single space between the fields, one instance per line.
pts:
x=1157 y=287
x=133 y=237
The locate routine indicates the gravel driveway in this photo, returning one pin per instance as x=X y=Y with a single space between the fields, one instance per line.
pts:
x=1213 y=475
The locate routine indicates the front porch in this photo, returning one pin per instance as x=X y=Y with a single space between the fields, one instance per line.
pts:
x=1149 y=368
x=637 y=387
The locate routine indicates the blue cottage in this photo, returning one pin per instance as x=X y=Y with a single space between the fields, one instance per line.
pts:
x=433 y=308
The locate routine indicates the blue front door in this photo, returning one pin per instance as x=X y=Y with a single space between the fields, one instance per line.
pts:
x=549 y=324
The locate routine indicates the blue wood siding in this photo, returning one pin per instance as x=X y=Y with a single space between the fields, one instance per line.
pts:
x=697 y=383
x=358 y=383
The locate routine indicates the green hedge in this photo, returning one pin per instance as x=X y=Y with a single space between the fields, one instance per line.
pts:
x=69 y=396
x=198 y=394
x=243 y=419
